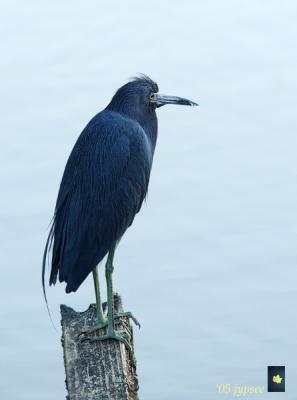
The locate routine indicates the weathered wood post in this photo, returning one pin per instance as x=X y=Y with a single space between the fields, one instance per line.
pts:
x=101 y=370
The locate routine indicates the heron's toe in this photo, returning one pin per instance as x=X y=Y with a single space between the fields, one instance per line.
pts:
x=122 y=337
x=127 y=315
x=93 y=331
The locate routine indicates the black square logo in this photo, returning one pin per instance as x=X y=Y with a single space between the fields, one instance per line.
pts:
x=276 y=379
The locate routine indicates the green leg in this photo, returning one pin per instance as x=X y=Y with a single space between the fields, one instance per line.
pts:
x=100 y=315
x=111 y=334
x=111 y=316
x=110 y=307
x=101 y=319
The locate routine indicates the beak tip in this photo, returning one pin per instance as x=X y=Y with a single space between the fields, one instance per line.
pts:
x=193 y=104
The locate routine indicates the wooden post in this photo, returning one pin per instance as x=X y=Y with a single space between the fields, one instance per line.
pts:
x=101 y=370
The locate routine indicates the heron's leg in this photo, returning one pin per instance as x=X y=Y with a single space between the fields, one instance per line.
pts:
x=110 y=306
x=111 y=333
x=111 y=316
x=123 y=337
x=100 y=316
x=110 y=313
x=101 y=319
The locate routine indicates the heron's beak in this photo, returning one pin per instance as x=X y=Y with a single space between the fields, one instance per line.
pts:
x=160 y=100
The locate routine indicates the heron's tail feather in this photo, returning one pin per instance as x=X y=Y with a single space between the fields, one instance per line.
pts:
x=60 y=232
x=45 y=257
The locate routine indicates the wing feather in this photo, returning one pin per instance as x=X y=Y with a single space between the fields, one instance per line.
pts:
x=103 y=186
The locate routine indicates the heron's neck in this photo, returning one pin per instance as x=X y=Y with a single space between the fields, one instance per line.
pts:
x=148 y=121
x=150 y=127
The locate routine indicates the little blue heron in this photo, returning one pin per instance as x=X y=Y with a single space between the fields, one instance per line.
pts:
x=103 y=186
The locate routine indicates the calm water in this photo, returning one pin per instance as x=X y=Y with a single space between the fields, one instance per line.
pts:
x=209 y=267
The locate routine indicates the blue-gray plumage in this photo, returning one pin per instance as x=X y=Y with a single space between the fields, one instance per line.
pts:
x=103 y=186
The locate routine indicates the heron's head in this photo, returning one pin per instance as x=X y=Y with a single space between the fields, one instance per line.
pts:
x=141 y=97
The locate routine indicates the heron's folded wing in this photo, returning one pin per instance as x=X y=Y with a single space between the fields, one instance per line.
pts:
x=103 y=186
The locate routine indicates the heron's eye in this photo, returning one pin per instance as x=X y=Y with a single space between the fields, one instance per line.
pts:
x=152 y=96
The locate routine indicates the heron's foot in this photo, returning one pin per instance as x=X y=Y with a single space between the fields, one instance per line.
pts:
x=100 y=325
x=126 y=315
x=122 y=337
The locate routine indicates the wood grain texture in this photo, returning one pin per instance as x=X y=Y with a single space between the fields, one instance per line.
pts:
x=102 y=370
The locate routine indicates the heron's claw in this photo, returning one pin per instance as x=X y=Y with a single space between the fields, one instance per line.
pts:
x=83 y=339
x=127 y=315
